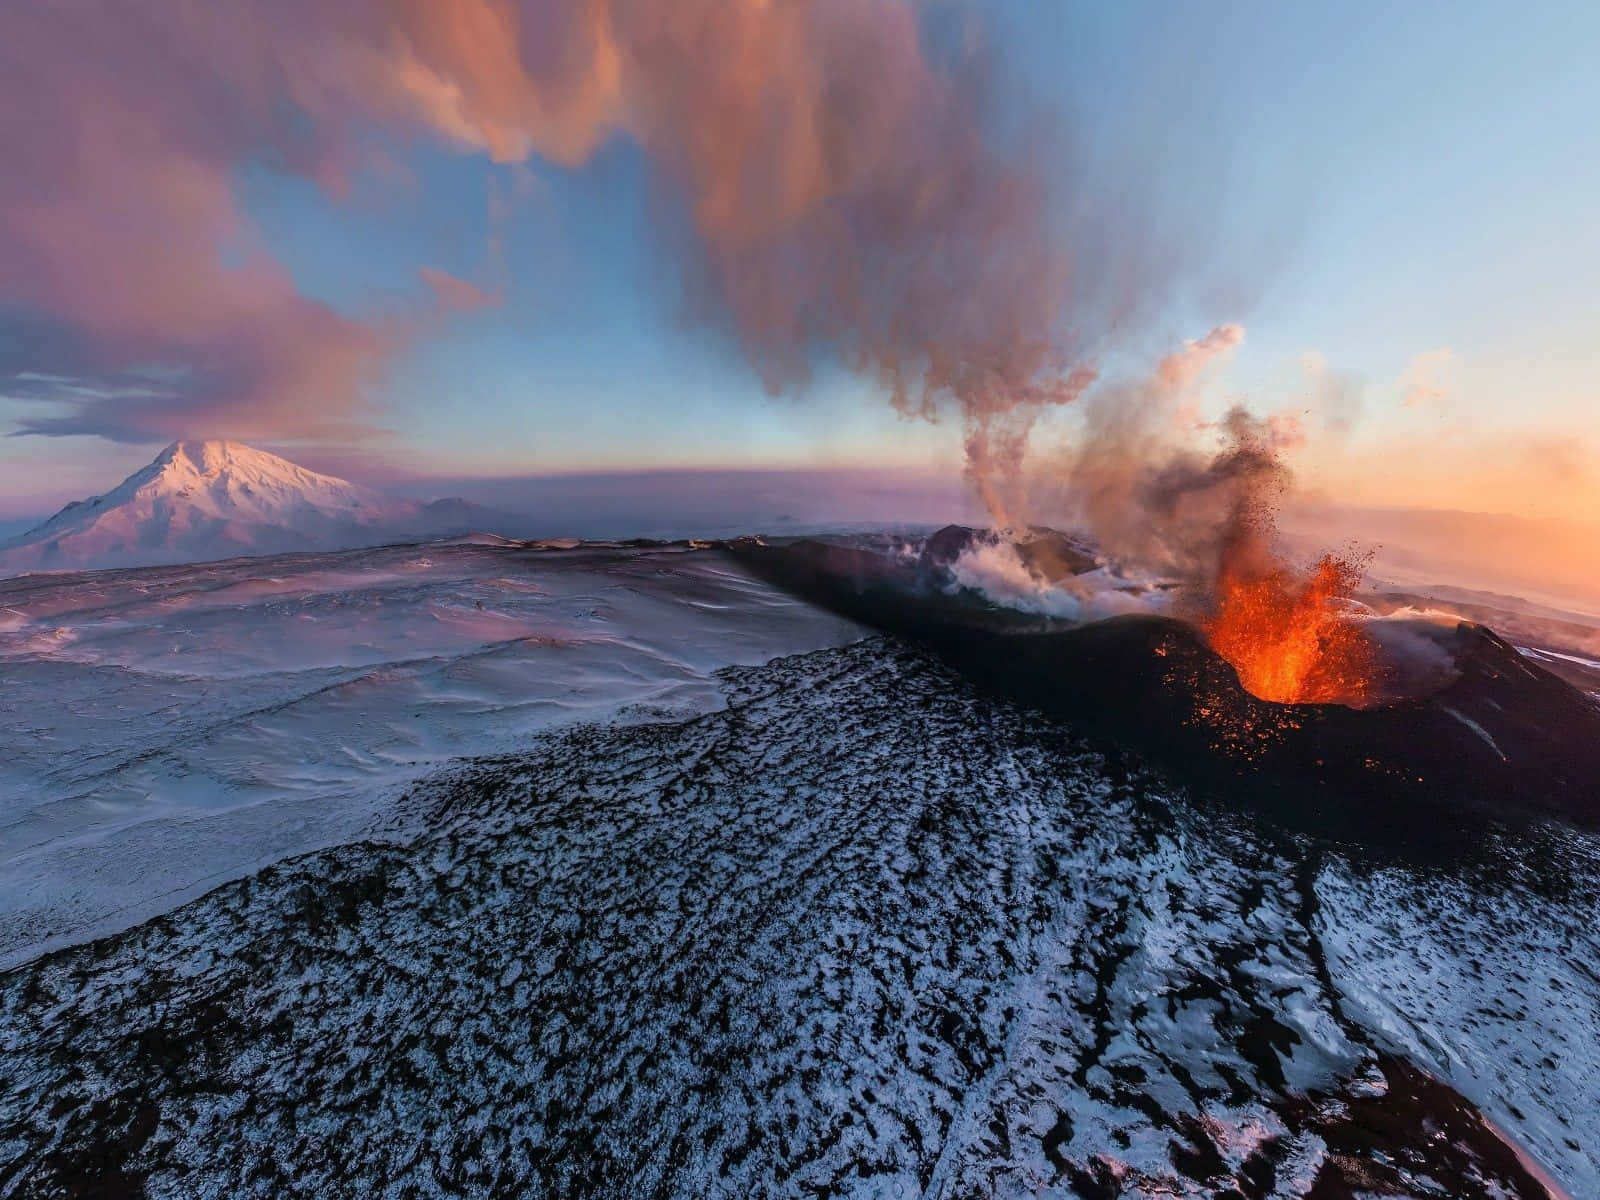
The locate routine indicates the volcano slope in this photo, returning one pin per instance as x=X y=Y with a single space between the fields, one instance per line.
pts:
x=1504 y=738
x=865 y=931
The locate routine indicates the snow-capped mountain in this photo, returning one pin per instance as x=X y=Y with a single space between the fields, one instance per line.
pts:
x=217 y=499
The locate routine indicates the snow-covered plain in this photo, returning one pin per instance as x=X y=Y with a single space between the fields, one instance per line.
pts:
x=170 y=728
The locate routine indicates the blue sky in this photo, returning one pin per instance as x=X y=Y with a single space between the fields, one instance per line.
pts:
x=1361 y=186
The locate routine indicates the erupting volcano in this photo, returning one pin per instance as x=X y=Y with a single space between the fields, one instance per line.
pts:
x=1293 y=634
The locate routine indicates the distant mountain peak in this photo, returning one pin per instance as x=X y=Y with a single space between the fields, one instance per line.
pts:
x=225 y=469
x=212 y=498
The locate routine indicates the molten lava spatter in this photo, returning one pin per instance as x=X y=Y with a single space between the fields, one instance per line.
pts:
x=1289 y=634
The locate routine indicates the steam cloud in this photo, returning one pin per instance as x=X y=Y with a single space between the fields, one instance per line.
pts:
x=847 y=188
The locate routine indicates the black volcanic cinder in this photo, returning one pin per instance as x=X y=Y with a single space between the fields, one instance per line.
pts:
x=1504 y=738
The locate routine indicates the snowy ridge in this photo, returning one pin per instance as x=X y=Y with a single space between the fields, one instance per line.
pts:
x=206 y=500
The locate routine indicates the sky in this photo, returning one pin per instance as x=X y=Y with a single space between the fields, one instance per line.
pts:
x=482 y=240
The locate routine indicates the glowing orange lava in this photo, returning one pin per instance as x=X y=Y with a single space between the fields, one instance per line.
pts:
x=1288 y=634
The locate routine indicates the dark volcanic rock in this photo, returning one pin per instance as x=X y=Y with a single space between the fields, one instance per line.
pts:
x=946 y=545
x=1052 y=555
x=891 y=593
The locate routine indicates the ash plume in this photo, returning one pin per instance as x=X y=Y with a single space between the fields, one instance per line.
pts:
x=1205 y=510
x=850 y=186
x=1134 y=474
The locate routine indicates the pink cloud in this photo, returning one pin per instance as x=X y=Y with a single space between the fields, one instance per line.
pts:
x=457 y=294
x=1182 y=369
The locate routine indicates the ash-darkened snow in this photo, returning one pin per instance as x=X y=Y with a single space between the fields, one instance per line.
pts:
x=859 y=932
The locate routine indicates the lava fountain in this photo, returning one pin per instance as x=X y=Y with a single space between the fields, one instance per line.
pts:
x=1291 y=635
